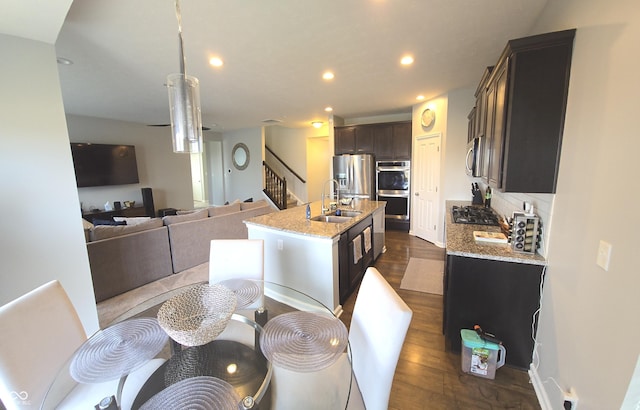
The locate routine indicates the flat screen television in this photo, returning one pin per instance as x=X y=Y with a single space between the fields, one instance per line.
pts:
x=104 y=164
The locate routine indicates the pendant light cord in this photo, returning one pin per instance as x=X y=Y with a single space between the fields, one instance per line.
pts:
x=180 y=44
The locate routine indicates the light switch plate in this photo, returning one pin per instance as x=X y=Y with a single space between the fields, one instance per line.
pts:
x=604 y=255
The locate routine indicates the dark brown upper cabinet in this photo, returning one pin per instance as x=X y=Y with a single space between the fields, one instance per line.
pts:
x=526 y=96
x=387 y=141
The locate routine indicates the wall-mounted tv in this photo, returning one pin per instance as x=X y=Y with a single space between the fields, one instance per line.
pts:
x=104 y=164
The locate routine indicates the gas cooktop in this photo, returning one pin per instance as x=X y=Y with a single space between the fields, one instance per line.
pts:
x=474 y=215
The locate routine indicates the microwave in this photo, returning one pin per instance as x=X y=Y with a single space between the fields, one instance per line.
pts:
x=473 y=163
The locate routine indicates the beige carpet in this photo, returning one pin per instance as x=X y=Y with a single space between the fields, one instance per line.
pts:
x=423 y=275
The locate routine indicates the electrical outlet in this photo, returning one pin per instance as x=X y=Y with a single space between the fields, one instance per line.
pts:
x=604 y=255
x=570 y=400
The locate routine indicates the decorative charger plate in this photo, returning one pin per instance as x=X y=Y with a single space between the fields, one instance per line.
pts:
x=247 y=291
x=198 y=315
x=195 y=393
x=118 y=350
x=304 y=341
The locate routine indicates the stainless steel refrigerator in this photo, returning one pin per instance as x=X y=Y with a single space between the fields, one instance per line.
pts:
x=355 y=175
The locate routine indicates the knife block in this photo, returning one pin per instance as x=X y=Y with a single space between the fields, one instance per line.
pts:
x=477 y=198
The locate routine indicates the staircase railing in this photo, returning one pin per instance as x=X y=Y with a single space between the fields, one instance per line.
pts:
x=284 y=164
x=275 y=186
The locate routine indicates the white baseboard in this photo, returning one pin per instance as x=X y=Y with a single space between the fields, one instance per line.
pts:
x=538 y=386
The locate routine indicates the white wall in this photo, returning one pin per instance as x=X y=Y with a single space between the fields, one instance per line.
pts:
x=168 y=174
x=314 y=167
x=588 y=334
x=241 y=185
x=41 y=237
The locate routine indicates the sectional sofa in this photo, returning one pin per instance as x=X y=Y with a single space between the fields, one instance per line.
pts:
x=125 y=257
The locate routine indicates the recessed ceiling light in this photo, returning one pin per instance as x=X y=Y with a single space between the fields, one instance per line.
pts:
x=328 y=75
x=216 y=61
x=406 y=60
x=420 y=97
x=64 y=61
x=328 y=109
x=317 y=124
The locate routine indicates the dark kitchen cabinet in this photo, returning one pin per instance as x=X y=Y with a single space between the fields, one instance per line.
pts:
x=402 y=141
x=387 y=141
x=345 y=140
x=525 y=107
x=480 y=115
x=384 y=141
x=364 y=140
x=351 y=271
x=502 y=297
x=494 y=141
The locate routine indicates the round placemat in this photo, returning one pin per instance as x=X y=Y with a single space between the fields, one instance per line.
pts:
x=304 y=341
x=195 y=393
x=118 y=350
x=246 y=291
x=198 y=315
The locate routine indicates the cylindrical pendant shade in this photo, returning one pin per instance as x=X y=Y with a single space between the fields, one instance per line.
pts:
x=186 y=120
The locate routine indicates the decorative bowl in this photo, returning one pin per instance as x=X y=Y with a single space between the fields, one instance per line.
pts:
x=198 y=315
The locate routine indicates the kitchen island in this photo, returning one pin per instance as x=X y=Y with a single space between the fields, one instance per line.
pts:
x=492 y=286
x=320 y=258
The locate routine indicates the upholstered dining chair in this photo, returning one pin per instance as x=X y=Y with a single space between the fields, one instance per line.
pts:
x=238 y=259
x=39 y=331
x=379 y=325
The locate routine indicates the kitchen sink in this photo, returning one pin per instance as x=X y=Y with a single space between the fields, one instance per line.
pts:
x=350 y=214
x=331 y=219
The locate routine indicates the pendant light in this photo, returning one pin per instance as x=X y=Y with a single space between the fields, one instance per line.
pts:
x=184 y=103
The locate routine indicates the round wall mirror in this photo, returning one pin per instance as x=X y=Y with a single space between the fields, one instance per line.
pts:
x=240 y=156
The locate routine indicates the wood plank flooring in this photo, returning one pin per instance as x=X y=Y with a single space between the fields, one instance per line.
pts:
x=428 y=377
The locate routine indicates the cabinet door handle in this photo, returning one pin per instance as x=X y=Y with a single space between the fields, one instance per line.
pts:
x=417 y=194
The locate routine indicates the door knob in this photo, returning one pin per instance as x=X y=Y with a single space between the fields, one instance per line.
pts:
x=417 y=194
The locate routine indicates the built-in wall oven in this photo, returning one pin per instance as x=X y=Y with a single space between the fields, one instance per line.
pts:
x=393 y=186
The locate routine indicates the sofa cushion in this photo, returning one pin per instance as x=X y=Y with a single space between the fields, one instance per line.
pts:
x=193 y=216
x=252 y=205
x=100 y=232
x=132 y=220
x=224 y=209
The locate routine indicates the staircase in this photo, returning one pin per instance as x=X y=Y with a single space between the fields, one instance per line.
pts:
x=275 y=186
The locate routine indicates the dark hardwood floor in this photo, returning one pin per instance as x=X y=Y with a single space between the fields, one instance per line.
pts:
x=428 y=377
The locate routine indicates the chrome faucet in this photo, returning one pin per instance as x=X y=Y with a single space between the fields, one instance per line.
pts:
x=324 y=210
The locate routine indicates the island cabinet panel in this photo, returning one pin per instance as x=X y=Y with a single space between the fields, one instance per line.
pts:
x=502 y=297
x=351 y=268
x=526 y=97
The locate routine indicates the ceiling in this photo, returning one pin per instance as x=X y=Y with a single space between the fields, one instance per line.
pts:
x=274 y=54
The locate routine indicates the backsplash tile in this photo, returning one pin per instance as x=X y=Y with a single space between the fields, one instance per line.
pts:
x=507 y=203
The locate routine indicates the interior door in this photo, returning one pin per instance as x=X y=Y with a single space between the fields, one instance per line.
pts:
x=426 y=191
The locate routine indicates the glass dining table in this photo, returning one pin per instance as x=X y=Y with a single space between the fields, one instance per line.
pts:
x=237 y=344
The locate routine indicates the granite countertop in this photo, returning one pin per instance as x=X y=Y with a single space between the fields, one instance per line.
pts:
x=294 y=220
x=460 y=242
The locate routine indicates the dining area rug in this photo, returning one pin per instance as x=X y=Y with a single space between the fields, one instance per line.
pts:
x=423 y=275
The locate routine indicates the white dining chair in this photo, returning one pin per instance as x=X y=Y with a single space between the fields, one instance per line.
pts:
x=378 y=328
x=238 y=259
x=39 y=332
